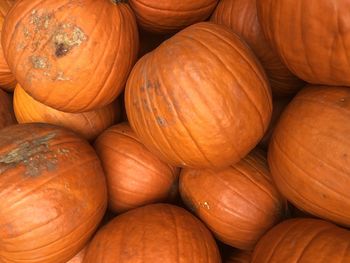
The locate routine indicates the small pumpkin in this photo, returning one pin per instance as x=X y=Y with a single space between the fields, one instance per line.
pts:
x=311 y=37
x=238 y=204
x=201 y=99
x=135 y=176
x=303 y=241
x=241 y=16
x=7 y=80
x=87 y=124
x=309 y=153
x=170 y=15
x=73 y=63
x=53 y=193
x=153 y=233
x=7 y=116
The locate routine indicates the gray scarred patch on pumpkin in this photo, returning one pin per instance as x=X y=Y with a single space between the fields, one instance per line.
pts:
x=35 y=155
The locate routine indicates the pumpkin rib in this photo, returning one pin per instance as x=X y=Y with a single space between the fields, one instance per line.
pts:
x=246 y=175
x=236 y=79
x=178 y=115
x=312 y=239
x=176 y=234
x=305 y=199
x=175 y=11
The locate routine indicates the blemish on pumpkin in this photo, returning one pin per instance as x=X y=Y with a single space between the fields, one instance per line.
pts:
x=205 y=205
x=66 y=37
x=39 y=62
x=40 y=21
x=161 y=121
x=61 y=77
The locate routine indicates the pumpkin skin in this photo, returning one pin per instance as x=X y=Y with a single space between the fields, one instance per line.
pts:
x=164 y=233
x=7 y=116
x=53 y=193
x=238 y=204
x=211 y=126
x=87 y=124
x=303 y=241
x=7 y=80
x=68 y=65
x=309 y=152
x=79 y=258
x=169 y=16
x=311 y=37
x=241 y=16
x=279 y=104
x=135 y=176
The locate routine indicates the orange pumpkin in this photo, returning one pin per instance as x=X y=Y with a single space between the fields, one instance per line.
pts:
x=153 y=233
x=238 y=204
x=79 y=258
x=309 y=152
x=168 y=16
x=7 y=116
x=76 y=62
x=239 y=257
x=201 y=99
x=303 y=241
x=87 y=124
x=241 y=16
x=279 y=104
x=7 y=80
x=53 y=193
x=311 y=37
x=135 y=177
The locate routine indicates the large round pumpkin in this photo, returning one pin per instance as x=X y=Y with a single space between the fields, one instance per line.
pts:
x=156 y=233
x=311 y=37
x=170 y=15
x=7 y=116
x=303 y=241
x=238 y=204
x=201 y=99
x=7 y=80
x=309 y=153
x=53 y=193
x=72 y=55
x=88 y=124
x=135 y=176
x=241 y=17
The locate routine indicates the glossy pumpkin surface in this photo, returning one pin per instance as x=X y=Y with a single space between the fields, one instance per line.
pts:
x=88 y=124
x=241 y=16
x=238 y=204
x=311 y=37
x=309 y=153
x=201 y=99
x=73 y=56
x=7 y=116
x=303 y=241
x=52 y=194
x=151 y=234
x=135 y=176
x=171 y=15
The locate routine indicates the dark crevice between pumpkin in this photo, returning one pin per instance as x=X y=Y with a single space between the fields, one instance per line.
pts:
x=119 y=1
x=189 y=203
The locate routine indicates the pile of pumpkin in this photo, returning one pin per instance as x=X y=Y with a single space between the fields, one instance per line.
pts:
x=229 y=143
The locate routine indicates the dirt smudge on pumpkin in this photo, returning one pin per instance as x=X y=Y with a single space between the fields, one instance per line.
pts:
x=161 y=121
x=39 y=62
x=35 y=155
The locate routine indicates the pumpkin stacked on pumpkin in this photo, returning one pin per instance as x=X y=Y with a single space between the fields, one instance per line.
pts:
x=236 y=119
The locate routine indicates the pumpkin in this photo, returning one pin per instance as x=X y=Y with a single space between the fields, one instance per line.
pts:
x=201 y=99
x=73 y=63
x=135 y=176
x=303 y=241
x=239 y=257
x=309 y=153
x=87 y=124
x=238 y=204
x=7 y=116
x=53 y=193
x=7 y=80
x=153 y=233
x=79 y=258
x=241 y=16
x=311 y=37
x=279 y=104
x=171 y=15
